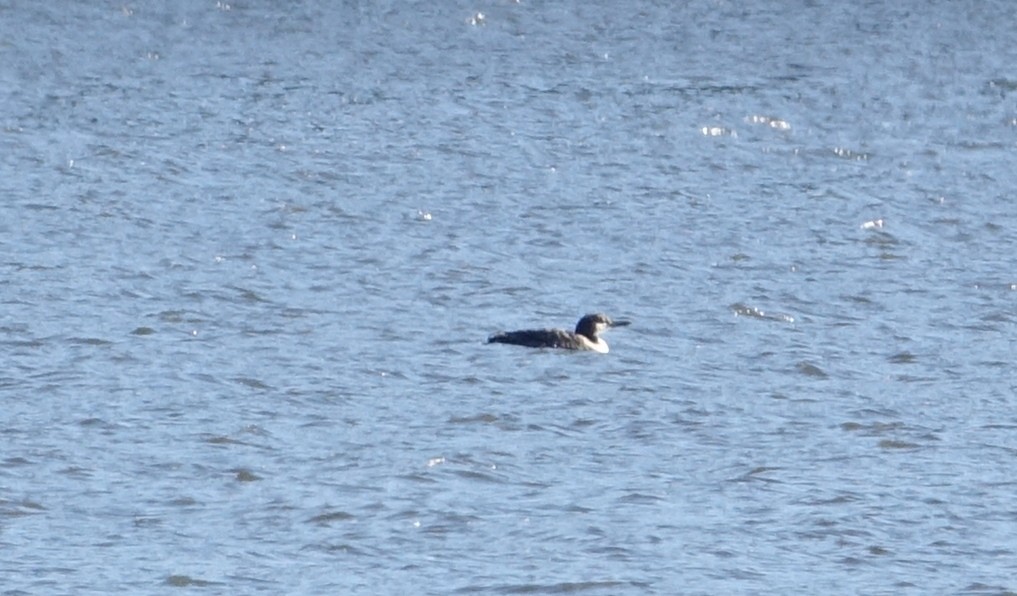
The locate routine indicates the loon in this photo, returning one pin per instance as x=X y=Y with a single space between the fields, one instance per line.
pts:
x=585 y=337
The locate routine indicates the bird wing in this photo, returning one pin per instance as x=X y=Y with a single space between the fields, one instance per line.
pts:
x=535 y=338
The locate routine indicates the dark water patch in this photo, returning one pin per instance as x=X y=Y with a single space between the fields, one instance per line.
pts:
x=184 y=502
x=902 y=358
x=181 y=316
x=330 y=517
x=874 y=429
x=252 y=383
x=603 y=586
x=448 y=523
x=894 y=444
x=1000 y=426
x=344 y=548
x=757 y=475
x=834 y=501
x=26 y=343
x=9 y=508
x=142 y=521
x=811 y=370
x=223 y=440
x=475 y=419
x=995 y=318
x=244 y=475
x=96 y=422
x=185 y=581
x=612 y=552
x=89 y=341
x=980 y=589
x=916 y=379
x=637 y=498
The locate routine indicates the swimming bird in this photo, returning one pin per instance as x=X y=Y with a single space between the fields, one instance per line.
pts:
x=585 y=337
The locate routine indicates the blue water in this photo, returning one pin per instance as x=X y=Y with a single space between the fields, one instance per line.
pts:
x=251 y=253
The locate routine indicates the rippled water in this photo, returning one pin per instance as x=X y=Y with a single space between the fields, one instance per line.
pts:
x=252 y=252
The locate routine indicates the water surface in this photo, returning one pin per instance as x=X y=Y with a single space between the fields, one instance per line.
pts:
x=252 y=253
